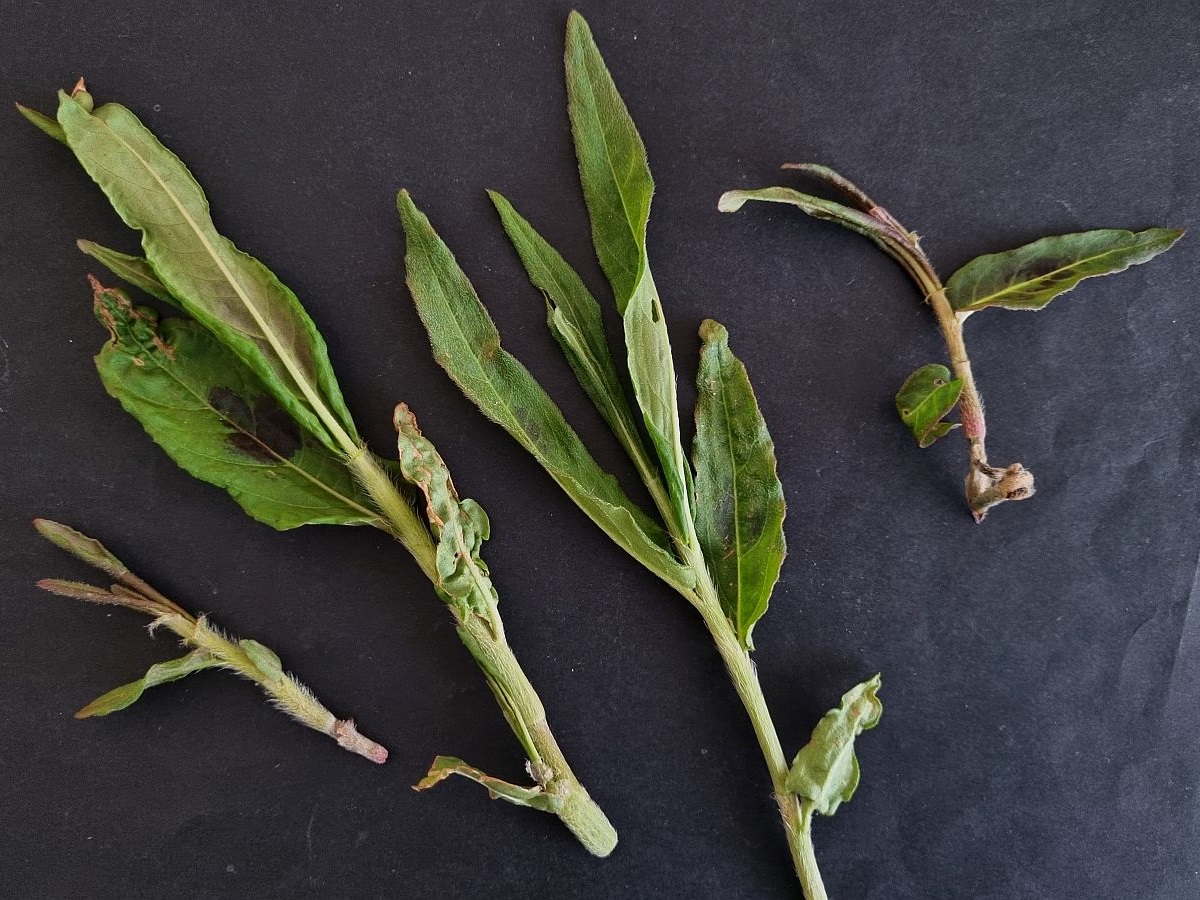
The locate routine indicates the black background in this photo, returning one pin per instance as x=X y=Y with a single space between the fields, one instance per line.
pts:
x=1041 y=672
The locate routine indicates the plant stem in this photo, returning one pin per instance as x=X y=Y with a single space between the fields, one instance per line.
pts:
x=527 y=717
x=797 y=819
x=484 y=637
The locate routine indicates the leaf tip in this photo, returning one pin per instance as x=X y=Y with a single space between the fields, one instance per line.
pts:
x=731 y=201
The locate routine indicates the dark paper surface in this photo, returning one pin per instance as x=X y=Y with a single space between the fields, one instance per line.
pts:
x=1041 y=735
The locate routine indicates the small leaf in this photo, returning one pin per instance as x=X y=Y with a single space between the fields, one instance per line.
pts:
x=1029 y=277
x=133 y=269
x=264 y=658
x=535 y=797
x=825 y=770
x=739 y=500
x=926 y=397
x=159 y=673
x=231 y=294
x=461 y=526
x=467 y=345
x=43 y=123
x=79 y=545
x=612 y=163
x=212 y=415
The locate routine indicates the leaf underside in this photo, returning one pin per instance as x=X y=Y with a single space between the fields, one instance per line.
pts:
x=232 y=294
x=825 y=771
x=925 y=399
x=213 y=417
x=1031 y=276
x=159 y=673
x=133 y=269
x=739 y=499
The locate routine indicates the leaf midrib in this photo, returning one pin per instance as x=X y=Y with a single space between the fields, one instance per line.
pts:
x=288 y=363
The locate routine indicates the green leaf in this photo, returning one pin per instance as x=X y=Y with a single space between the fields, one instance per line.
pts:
x=132 y=269
x=739 y=500
x=467 y=345
x=213 y=416
x=618 y=188
x=461 y=526
x=79 y=545
x=232 y=294
x=926 y=397
x=575 y=321
x=825 y=771
x=43 y=123
x=1029 y=277
x=159 y=673
x=535 y=797
x=612 y=163
x=264 y=658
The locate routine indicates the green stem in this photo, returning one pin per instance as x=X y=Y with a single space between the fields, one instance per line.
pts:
x=527 y=717
x=484 y=637
x=797 y=820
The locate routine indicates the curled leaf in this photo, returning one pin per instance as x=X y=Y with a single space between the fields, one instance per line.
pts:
x=1029 y=277
x=535 y=797
x=926 y=397
x=825 y=771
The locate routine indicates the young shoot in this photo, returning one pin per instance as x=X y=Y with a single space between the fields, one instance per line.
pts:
x=208 y=647
x=1026 y=278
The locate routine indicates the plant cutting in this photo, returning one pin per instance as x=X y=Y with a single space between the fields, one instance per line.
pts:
x=240 y=392
x=1026 y=278
x=208 y=647
x=718 y=537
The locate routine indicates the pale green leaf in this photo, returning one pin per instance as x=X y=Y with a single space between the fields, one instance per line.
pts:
x=43 y=123
x=739 y=500
x=825 y=771
x=1029 y=277
x=264 y=658
x=534 y=797
x=460 y=526
x=467 y=345
x=926 y=397
x=612 y=163
x=159 y=673
x=212 y=415
x=232 y=294
x=132 y=269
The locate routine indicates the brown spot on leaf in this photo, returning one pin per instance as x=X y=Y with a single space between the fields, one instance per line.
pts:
x=263 y=432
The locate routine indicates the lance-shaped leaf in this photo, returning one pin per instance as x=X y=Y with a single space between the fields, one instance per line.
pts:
x=213 y=416
x=618 y=188
x=825 y=770
x=739 y=500
x=232 y=294
x=926 y=397
x=534 y=797
x=576 y=323
x=43 y=123
x=612 y=163
x=159 y=673
x=467 y=345
x=1029 y=277
x=460 y=526
x=132 y=269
